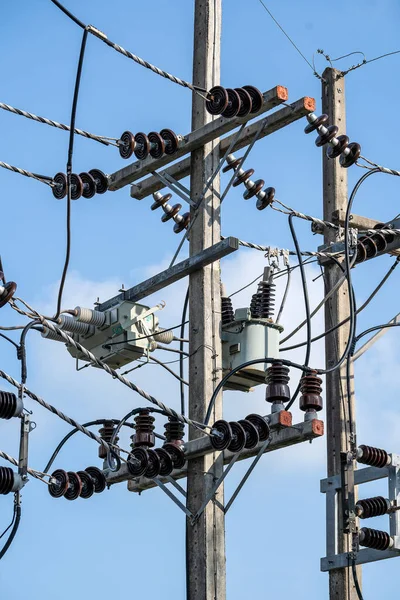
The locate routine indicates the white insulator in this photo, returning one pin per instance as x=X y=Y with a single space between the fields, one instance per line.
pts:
x=164 y=337
x=52 y=335
x=89 y=316
x=70 y=324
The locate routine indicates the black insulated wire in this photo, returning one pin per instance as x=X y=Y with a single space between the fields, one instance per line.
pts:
x=306 y=305
x=17 y=519
x=182 y=334
x=69 y=161
x=356 y=582
x=69 y=14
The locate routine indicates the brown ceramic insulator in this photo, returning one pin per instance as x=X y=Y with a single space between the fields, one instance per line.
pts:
x=361 y=252
x=98 y=478
x=265 y=198
x=177 y=455
x=59 y=487
x=374 y=457
x=170 y=139
x=183 y=223
x=251 y=432
x=166 y=464
x=347 y=160
x=174 y=431
x=324 y=138
x=246 y=102
x=144 y=435
x=310 y=387
x=138 y=462
x=9 y=290
x=142 y=146
x=106 y=432
x=74 y=486
x=100 y=179
x=158 y=202
x=335 y=151
x=255 y=306
x=234 y=104
x=256 y=96
x=218 y=100
x=6 y=480
x=373 y=538
x=126 y=144
x=232 y=165
x=60 y=188
x=238 y=437
x=380 y=241
x=254 y=190
x=266 y=299
x=277 y=379
x=87 y=484
x=76 y=186
x=261 y=425
x=154 y=464
x=8 y=405
x=370 y=246
x=321 y=120
x=172 y=213
x=227 y=314
x=89 y=185
x=157 y=144
x=221 y=435
x=372 y=507
x=243 y=177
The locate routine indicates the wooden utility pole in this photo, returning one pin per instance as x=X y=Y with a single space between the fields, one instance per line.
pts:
x=341 y=585
x=205 y=540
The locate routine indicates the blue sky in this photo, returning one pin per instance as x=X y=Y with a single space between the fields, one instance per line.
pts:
x=118 y=542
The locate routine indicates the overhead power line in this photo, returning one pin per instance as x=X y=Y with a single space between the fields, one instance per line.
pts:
x=23 y=113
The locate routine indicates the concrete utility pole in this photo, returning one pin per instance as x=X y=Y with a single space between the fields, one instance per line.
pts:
x=341 y=585
x=205 y=540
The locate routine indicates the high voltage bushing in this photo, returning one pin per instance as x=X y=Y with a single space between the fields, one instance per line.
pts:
x=7 y=291
x=254 y=188
x=374 y=457
x=106 y=433
x=227 y=314
x=262 y=303
x=171 y=212
x=174 y=434
x=372 y=507
x=144 y=439
x=238 y=102
x=9 y=481
x=141 y=145
x=85 y=184
x=277 y=391
x=376 y=539
x=310 y=399
x=73 y=485
x=10 y=405
x=338 y=146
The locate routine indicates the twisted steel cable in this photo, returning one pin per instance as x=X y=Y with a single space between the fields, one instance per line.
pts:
x=28 y=115
x=59 y=414
x=13 y=461
x=27 y=173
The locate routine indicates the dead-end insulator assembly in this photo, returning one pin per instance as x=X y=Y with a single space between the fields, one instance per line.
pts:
x=171 y=212
x=84 y=184
x=142 y=145
x=374 y=457
x=238 y=102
